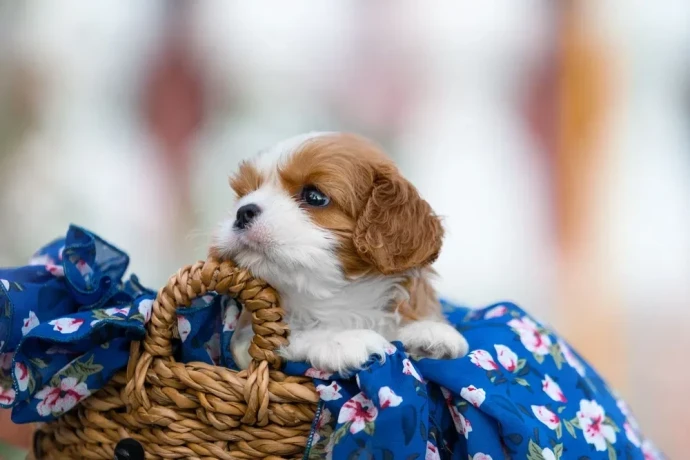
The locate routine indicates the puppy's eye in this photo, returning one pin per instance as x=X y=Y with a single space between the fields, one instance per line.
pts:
x=314 y=197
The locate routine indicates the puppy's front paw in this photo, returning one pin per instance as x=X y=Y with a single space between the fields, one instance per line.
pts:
x=433 y=339
x=343 y=352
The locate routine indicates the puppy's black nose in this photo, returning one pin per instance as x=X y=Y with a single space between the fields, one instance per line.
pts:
x=246 y=214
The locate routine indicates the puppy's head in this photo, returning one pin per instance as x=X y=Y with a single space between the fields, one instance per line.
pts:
x=320 y=210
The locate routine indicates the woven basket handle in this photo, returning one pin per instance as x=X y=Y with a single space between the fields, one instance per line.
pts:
x=270 y=332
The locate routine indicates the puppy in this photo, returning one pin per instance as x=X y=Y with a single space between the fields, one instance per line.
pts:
x=328 y=221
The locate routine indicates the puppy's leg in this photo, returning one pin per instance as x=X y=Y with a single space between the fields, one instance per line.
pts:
x=433 y=339
x=335 y=351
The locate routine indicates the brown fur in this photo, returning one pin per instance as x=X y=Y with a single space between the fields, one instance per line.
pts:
x=246 y=180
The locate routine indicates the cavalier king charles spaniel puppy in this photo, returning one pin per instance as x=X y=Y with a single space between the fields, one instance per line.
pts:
x=328 y=221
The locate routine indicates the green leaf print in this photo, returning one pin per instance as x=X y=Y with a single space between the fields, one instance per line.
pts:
x=534 y=451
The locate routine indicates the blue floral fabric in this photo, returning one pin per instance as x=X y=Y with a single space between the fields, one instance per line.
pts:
x=68 y=317
x=521 y=393
x=67 y=320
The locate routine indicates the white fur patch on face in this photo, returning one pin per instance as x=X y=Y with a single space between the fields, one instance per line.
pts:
x=282 y=245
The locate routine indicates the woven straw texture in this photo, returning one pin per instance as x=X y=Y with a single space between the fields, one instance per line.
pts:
x=194 y=410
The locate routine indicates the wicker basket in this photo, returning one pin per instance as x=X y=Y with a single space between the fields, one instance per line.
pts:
x=194 y=410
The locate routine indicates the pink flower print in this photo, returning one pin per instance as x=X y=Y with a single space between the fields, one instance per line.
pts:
x=390 y=349
x=30 y=323
x=145 y=307
x=6 y=360
x=7 y=396
x=117 y=311
x=496 y=312
x=60 y=399
x=409 y=369
x=66 y=325
x=317 y=374
x=388 y=398
x=359 y=411
x=483 y=359
x=531 y=337
x=473 y=395
x=212 y=347
x=183 y=327
x=21 y=373
x=481 y=456
x=546 y=417
x=571 y=359
x=57 y=271
x=431 y=452
x=631 y=434
x=552 y=389
x=506 y=357
x=329 y=392
x=592 y=422
x=231 y=313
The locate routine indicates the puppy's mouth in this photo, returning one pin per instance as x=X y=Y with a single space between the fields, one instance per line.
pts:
x=255 y=238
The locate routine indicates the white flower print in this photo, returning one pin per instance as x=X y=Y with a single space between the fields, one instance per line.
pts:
x=117 y=311
x=531 y=337
x=231 y=313
x=56 y=350
x=552 y=389
x=592 y=422
x=506 y=357
x=183 y=327
x=145 y=307
x=631 y=434
x=6 y=360
x=207 y=299
x=84 y=269
x=481 y=456
x=212 y=347
x=431 y=452
x=324 y=418
x=409 y=369
x=650 y=452
x=5 y=284
x=388 y=398
x=30 y=322
x=473 y=395
x=358 y=411
x=483 y=359
x=60 y=399
x=462 y=425
x=66 y=325
x=547 y=454
x=21 y=373
x=317 y=374
x=545 y=416
x=625 y=410
x=496 y=312
x=329 y=392
x=571 y=359
x=7 y=396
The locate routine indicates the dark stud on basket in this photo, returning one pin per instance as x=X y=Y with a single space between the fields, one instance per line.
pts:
x=129 y=449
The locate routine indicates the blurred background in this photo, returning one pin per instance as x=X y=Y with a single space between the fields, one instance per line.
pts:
x=553 y=136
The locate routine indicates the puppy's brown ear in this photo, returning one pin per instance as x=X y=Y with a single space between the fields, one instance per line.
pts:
x=397 y=230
